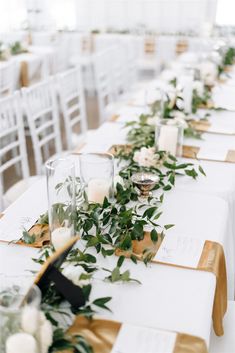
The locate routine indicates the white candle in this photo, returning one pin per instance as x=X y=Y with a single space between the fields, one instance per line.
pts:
x=21 y=343
x=97 y=190
x=60 y=236
x=187 y=83
x=167 y=140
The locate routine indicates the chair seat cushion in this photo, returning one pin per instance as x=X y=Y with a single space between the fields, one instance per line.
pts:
x=18 y=189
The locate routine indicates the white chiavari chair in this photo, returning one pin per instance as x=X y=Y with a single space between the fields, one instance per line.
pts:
x=225 y=343
x=132 y=51
x=41 y=108
x=119 y=61
x=60 y=60
x=72 y=101
x=6 y=78
x=13 y=150
x=103 y=82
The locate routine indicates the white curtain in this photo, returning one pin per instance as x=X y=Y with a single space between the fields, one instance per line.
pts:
x=225 y=12
x=13 y=15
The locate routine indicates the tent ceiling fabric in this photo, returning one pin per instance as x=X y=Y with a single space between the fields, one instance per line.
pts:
x=169 y=16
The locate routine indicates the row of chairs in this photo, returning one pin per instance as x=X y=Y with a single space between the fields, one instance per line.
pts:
x=47 y=63
x=37 y=108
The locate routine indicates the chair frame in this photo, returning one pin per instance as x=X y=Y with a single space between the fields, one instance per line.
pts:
x=45 y=93
x=70 y=88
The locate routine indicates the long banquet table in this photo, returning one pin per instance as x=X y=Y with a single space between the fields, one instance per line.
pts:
x=169 y=298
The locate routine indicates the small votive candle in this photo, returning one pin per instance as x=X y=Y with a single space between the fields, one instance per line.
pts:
x=97 y=190
x=21 y=343
x=60 y=236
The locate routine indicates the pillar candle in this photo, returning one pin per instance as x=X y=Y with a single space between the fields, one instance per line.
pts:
x=167 y=140
x=60 y=236
x=21 y=343
x=98 y=189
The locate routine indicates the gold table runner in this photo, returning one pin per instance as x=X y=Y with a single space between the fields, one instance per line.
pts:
x=102 y=334
x=181 y=46
x=150 y=46
x=24 y=74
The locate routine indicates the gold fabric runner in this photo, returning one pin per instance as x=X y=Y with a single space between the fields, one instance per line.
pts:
x=102 y=334
x=213 y=260
x=24 y=75
x=181 y=46
x=150 y=46
x=41 y=234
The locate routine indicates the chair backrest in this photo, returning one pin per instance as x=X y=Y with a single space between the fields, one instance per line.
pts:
x=41 y=110
x=73 y=107
x=6 y=78
x=119 y=74
x=12 y=139
x=103 y=81
x=132 y=53
x=60 y=56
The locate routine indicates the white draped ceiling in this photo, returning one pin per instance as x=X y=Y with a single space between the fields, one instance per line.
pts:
x=160 y=15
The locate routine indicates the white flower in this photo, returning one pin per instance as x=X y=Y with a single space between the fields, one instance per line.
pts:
x=21 y=343
x=45 y=336
x=199 y=87
x=30 y=320
x=180 y=118
x=73 y=273
x=152 y=120
x=208 y=72
x=145 y=157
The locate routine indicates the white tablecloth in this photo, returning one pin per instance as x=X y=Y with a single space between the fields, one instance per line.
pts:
x=171 y=298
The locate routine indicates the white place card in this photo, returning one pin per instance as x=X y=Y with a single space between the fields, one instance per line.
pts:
x=180 y=250
x=136 y=339
x=213 y=152
x=24 y=212
x=221 y=129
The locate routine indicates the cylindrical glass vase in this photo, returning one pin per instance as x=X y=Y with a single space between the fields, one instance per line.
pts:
x=169 y=136
x=61 y=200
x=19 y=314
x=97 y=173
